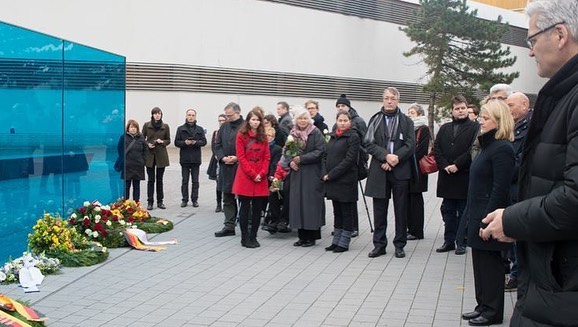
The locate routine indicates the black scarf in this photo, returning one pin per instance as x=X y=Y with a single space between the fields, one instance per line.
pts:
x=157 y=124
x=381 y=116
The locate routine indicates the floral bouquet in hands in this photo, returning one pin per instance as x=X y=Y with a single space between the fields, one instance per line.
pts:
x=292 y=147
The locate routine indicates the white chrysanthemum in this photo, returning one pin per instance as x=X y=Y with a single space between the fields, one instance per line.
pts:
x=87 y=231
x=96 y=218
x=95 y=234
x=2 y=276
x=86 y=203
x=109 y=223
x=97 y=209
x=73 y=215
x=103 y=249
x=122 y=222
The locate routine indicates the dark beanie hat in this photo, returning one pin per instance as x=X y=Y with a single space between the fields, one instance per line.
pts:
x=343 y=100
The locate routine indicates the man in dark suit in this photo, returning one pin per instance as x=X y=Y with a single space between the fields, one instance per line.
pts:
x=390 y=140
x=452 y=151
x=226 y=153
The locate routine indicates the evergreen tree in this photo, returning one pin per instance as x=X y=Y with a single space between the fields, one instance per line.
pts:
x=463 y=53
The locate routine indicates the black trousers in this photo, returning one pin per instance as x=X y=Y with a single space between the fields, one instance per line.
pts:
x=135 y=189
x=230 y=210
x=155 y=175
x=400 y=191
x=452 y=211
x=489 y=283
x=250 y=211
x=343 y=215
x=190 y=171
x=415 y=215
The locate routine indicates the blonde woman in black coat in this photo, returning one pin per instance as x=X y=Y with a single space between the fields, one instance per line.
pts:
x=489 y=189
x=340 y=177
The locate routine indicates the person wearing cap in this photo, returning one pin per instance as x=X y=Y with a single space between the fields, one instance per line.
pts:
x=343 y=103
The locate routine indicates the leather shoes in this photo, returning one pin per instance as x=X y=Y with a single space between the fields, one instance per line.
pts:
x=183 y=204
x=446 y=247
x=195 y=204
x=482 y=321
x=299 y=243
x=331 y=247
x=471 y=315
x=225 y=232
x=355 y=233
x=411 y=237
x=460 y=250
x=150 y=206
x=307 y=244
x=340 y=249
x=399 y=253
x=376 y=253
x=161 y=205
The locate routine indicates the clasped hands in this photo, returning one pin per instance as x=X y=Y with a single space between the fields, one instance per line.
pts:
x=294 y=164
x=391 y=160
x=229 y=160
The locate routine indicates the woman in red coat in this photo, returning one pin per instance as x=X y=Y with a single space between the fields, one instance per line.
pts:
x=250 y=183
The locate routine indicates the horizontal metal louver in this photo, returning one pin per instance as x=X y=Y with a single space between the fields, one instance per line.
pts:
x=391 y=11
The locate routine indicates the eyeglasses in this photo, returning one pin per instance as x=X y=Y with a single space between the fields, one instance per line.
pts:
x=389 y=98
x=530 y=40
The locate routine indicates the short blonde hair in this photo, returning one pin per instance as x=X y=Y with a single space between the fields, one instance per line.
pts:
x=499 y=112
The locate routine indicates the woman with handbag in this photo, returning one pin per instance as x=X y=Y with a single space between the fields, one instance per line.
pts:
x=419 y=180
x=131 y=159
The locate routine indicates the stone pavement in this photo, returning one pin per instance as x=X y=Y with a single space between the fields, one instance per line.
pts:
x=209 y=281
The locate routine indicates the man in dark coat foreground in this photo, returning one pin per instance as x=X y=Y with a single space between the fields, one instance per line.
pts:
x=544 y=221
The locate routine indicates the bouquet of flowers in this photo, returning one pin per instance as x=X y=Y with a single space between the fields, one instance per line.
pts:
x=100 y=223
x=9 y=271
x=131 y=210
x=326 y=135
x=292 y=147
x=52 y=234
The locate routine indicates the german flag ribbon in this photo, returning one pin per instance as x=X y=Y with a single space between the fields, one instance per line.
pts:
x=134 y=241
x=8 y=320
x=8 y=304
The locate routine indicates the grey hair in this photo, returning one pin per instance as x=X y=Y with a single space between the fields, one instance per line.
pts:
x=299 y=111
x=550 y=12
x=501 y=88
x=234 y=106
x=393 y=91
x=418 y=108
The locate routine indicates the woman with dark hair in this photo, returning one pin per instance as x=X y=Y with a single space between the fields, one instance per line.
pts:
x=132 y=153
x=250 y=184
x=213 y=168
x=418 y=182
x=340 y=177
x=280 y=137
x=157 y=136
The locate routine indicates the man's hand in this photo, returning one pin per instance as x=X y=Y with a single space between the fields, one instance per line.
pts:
x=385 y=166
x=451 y=169
x=495 y=228
x=392 y=160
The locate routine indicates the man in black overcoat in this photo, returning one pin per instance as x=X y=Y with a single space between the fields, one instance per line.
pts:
x=225 y=150
x=452 y=151
x=390 y=140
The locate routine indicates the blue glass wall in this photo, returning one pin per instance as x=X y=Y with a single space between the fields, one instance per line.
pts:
x=63 y=108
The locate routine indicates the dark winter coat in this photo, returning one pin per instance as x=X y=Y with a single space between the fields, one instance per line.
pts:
x=520 y=131
x=544 y=222
x=404 y=148
x=319 y=122
x=213 y=163
x=254 y=160
x=306 y=202
x=340 y=165
x=133 y=161
x=190 y=154
x=276 y=152
x=490 y=176
x=449 y=150
x=226 y=146
x=419 y=181
x=157 y=155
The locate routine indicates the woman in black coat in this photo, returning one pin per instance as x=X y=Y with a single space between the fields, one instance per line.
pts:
x=490 y=177
x=340 y=177
x=132 y=154
x=418 y=183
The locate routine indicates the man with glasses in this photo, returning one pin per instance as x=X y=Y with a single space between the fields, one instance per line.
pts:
x=225 y=150
x=544 y=222
x=390 y=139
x=318 y=120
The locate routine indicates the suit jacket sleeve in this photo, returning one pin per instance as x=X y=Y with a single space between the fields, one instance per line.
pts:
x=407 y=149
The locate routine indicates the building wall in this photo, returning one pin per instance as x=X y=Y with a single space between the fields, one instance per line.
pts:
x=254 y=35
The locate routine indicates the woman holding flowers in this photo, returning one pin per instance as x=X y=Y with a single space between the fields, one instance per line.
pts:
x=306 y=202
x=132 y=148
x=340 y=177
x=250 y=184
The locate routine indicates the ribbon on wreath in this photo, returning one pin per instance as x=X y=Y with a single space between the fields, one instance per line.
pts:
x=138 y=239
x=8 y=305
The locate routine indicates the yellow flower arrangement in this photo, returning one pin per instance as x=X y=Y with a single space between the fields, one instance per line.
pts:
x=51 y=233
x=131 y=210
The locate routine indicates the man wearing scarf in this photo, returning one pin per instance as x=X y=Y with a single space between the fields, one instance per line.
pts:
x=190 y=138
x=390 y=140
